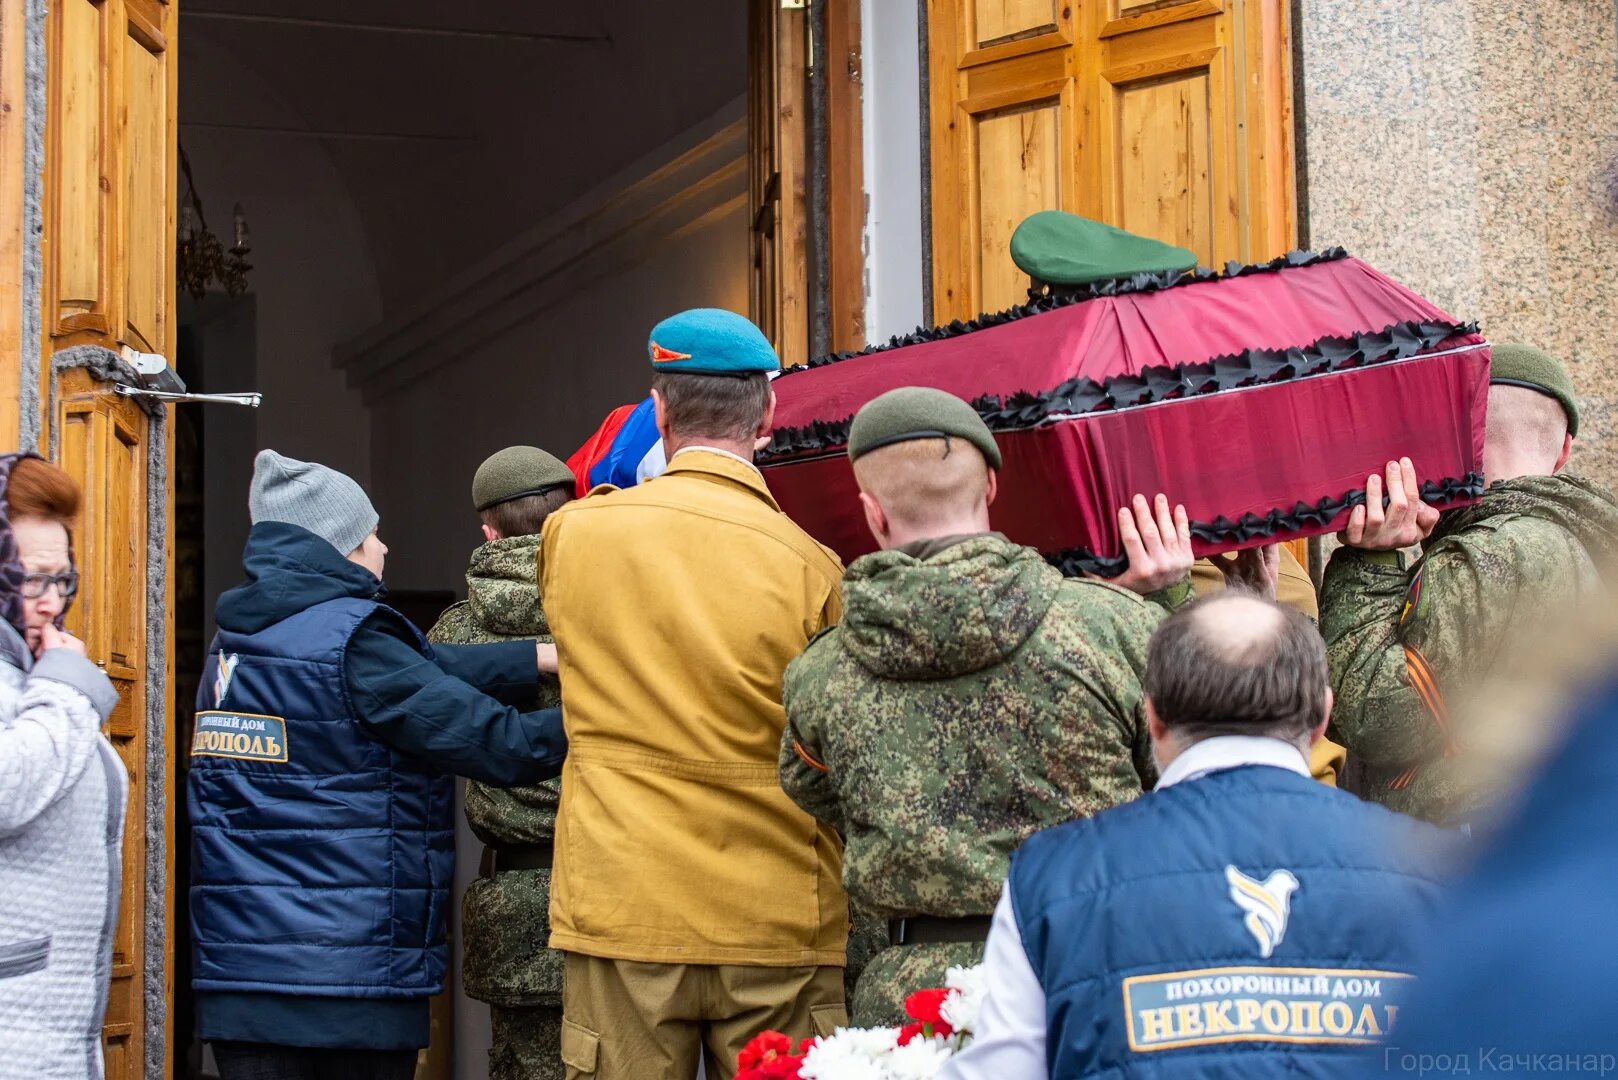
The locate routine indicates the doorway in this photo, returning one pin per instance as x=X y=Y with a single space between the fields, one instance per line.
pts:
x=463 y=219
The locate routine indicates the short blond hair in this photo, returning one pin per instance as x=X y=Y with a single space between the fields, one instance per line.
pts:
x=924 y=482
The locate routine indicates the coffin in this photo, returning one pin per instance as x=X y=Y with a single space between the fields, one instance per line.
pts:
x=1260 y=397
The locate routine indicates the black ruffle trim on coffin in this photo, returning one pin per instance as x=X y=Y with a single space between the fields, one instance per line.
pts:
x=1075 y=561
x=1083 y=394
x=1063 y=296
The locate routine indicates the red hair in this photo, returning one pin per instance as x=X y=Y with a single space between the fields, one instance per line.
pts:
x=39 y=489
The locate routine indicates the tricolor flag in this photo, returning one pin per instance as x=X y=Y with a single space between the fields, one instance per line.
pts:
x=624 y=450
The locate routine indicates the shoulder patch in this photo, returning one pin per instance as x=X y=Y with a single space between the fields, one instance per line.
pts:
x=243 y=736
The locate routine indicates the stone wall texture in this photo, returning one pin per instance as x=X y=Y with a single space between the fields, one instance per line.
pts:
x=1470 y=149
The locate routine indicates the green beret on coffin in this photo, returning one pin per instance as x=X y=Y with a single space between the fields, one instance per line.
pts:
x=1057 y=248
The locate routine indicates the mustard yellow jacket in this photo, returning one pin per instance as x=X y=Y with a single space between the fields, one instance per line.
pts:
x=676 y=606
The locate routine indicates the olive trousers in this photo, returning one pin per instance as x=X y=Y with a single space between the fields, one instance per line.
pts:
x=625 y=1020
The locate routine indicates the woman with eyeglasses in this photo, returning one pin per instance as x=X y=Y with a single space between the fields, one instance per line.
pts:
x=62 y=792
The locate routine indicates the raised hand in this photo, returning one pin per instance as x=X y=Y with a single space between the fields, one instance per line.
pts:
x=1158 y=545
x=1257 y=570
x=1406 y=520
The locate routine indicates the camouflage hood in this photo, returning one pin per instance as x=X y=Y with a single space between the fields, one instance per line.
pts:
x=501 y=584
x=1583 y=507
x=960 y=610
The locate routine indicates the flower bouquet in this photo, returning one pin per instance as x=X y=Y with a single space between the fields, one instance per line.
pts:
x=941 y=1023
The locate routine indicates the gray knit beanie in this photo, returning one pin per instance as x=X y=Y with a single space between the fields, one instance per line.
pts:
x=322 y=500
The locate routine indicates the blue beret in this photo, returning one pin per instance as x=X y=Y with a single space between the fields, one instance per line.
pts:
x=709 y=341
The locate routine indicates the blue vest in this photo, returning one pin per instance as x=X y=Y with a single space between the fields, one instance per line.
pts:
x=321 y=858
x=1249 y=923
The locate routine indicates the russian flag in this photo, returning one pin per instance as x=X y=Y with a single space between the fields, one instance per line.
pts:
x=624 y=450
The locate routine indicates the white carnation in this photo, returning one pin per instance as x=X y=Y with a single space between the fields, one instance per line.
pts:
x=919 y=1059
x=850 y=1054
x=965 y=1001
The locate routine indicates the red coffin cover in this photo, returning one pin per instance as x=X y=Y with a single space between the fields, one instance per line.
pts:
x=1261 y=398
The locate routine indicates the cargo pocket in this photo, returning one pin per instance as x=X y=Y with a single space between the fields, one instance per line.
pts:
x=24 y=957
x=580 y=1047
x=826 y=1019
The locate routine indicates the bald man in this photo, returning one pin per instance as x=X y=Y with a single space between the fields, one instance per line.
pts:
x=1406 y=644
x=1225 y=923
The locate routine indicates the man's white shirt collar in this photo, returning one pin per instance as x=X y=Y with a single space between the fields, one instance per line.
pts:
x=715 y=450
x=1230 y=752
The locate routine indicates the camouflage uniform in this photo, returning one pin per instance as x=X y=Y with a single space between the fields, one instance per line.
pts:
x=504 y=918
x=970 y=696
x=1404 y=646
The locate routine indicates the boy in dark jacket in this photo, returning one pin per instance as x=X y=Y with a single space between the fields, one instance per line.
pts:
x=321 y=791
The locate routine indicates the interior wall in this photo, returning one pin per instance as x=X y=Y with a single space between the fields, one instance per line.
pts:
x=1470 y=149
x=548 y=383
x=313 y=280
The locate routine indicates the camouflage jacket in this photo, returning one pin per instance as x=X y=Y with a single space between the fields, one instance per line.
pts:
x=505 y=919
x=1407 y=647
x=967 y=699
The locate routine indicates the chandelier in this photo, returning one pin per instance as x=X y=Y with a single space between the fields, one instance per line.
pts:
x=202 y=258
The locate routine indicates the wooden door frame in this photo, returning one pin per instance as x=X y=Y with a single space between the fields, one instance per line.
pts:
x=814 y=127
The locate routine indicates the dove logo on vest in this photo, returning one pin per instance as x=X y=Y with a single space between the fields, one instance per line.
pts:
x=224 y=672
x=243 y=736
x=1266 y=905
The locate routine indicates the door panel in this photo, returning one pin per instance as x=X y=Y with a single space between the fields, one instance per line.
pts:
x=103 y=444
x=76 y=129
x=148 y=241
x=996 y=22
x=779 y=201
x=1168 y=119
x=1164 y=148
x=1019 y=173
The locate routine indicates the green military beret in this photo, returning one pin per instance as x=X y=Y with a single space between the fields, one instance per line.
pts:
x=1524 y=365
x=1059 y=248
x=515 y=472
x=918 y=412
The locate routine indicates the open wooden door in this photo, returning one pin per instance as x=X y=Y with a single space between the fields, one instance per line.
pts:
x=778 y=200
x=109 y=283
x=1169 y=118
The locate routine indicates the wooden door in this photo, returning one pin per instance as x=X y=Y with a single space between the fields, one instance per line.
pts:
x=1169 y=118
x=109 y=282
x=779 y=186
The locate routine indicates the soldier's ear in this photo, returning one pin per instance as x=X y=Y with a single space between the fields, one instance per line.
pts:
x=489 y=534
x=876 y=519
x=992 y=489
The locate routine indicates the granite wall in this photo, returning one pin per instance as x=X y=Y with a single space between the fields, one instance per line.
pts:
x=1470 y=149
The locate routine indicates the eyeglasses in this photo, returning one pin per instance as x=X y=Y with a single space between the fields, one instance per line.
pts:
x=34 y=585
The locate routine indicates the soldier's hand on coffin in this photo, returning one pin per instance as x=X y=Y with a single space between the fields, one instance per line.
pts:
x=546 y=655
x=1404 y=520
x=1257 y=570
x=1158 y=545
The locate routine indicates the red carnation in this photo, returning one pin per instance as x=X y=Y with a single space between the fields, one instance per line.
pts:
x=926 y=1006
x=910 y=1031
x=765 y=1047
